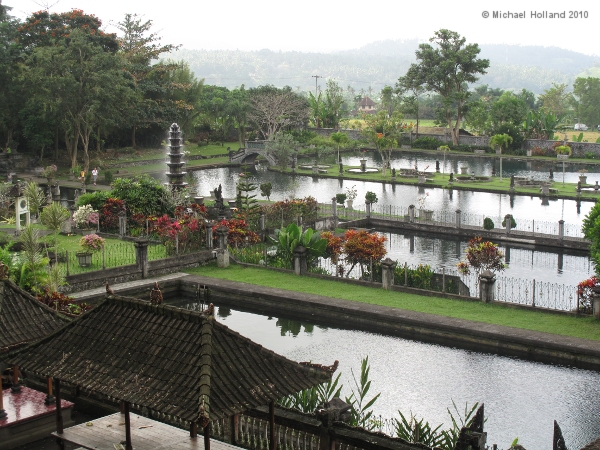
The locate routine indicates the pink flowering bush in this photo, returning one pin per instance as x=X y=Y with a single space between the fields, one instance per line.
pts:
x=91 y=243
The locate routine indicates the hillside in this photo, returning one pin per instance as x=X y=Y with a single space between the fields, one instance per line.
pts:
x=380 y=63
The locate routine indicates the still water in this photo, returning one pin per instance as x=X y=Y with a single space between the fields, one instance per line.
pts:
x=529 y=263
x=322 y=189
x=522 y=399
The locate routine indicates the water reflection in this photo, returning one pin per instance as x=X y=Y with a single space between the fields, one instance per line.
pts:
x=479 y=204
x=521 y=398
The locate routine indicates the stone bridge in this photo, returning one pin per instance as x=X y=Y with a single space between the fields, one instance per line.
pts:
x=248 y=154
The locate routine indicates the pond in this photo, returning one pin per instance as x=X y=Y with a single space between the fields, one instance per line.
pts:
x=521 y=398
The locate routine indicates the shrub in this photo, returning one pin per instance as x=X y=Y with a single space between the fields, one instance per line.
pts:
x=108 y=176
x=513 y=223
x=371 y=197
x=95 y=199
x=92 y=243
x=563 y=150
x=85 y=217
x=340 y=198
x=589 y=155
x=427 y=142
x=488 y=224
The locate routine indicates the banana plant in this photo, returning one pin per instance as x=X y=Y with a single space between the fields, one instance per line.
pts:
x=291 y=237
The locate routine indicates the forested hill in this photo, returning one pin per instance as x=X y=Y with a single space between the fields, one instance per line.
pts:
x=380 y=63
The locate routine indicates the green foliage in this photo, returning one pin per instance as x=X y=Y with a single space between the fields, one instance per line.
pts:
x=35 y=197
x=247 y=200
x=514 y=132
x=282 y=147
x=418 y=431
x=488 y=224
x=591 y=155
x=361 y=406
x=265 y=190
x=292 y=236
x=108 y=176
x=427 y=143
x=591 y=230
x=96 y=199
x=143 y=195
x=482 y=255
x=500 y=141
x=54 y=215
x=308 y=400
x=577 y=138
x=420 y=277
x=465 y=419
x=563 y=150
x=371 y=197
x=340 y=198
x=31 y=274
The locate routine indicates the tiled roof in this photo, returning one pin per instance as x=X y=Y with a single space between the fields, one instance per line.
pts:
x=24 y=319
x=166 y=359
x=367 y=102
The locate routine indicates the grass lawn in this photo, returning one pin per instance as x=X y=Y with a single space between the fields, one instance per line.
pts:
x=580 y=327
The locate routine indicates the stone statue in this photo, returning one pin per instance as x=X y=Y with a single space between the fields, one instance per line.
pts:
x=551 y=174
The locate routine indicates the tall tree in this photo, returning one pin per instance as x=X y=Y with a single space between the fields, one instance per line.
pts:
x=140 y=47
x=334 y=101
x=447 y=70
x=556 y=100
x=273 y=109
x=586 y=93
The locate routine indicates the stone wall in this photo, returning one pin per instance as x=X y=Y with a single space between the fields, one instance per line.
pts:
x=579 y=148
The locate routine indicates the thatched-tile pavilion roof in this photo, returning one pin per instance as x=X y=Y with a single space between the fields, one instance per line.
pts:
x=178 y=364
x=23 y=318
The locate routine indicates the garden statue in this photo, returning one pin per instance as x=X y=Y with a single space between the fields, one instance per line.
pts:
x=437 y=166
x=341 y=168
x=451 y=180
x=393 y=173
x=551 y=174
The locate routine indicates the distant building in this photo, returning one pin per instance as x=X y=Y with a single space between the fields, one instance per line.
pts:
x=367 y=106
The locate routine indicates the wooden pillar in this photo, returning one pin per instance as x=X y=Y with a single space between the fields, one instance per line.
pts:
x=128 y=445
x=235 y=420
x=16 y=387
x=49 y=397
x=193 y=429
x=207 y=437
x=2 y=411
x=272 y=443
x=59 y=419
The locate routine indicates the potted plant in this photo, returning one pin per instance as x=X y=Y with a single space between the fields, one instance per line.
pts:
x=422 y=175
x=86 y=218
x=351 y=194
x=424 y=214
x=563 y=152
x=89 y=244
x=371 y=197
x=582 y=176
x=340 y=198
x=50 y=172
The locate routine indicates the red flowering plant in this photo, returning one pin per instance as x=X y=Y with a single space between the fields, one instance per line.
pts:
x=335 y=248
x=239 y=233
x=187 y=231
x=585 y=294
x=109 y=217
x=62 y=303
x=480 y=256
x=362 y=248
x=281 y=214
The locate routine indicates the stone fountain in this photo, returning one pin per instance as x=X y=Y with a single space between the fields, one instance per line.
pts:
x=175 y=173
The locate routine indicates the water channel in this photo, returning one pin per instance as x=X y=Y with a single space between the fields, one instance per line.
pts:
x=521 y=398
x=443 y=251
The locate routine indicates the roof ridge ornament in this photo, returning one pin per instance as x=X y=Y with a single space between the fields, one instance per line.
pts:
x=329 y=369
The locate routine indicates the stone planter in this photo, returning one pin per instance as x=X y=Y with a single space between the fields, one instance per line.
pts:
x=86 y=231
x=84 y=259
x=426 y=214
x=479 y=151
x=583 y=179
x=528 y=152
x=50 y=181
x=463 y=170
x=498 y=152
x=560 y=156
x=422 y=179
x=349 y=203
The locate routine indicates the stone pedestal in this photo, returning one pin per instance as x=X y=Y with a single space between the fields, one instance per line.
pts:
x=487 y=283
x=141 y=255
x=222 y=258
x=388 y=266
x=300 y=263
x=458 y=218
x=411 y=213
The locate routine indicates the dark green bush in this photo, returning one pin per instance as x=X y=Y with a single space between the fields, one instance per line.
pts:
x=108 y=176
x=513 y=223
x=488 y=223
x=427 y=142
x=96 y=199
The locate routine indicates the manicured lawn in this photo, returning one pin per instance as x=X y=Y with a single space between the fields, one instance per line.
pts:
x=580 y=327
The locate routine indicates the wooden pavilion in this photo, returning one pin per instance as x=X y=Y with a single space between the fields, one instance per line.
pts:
x=23 y=320
x=179 y=366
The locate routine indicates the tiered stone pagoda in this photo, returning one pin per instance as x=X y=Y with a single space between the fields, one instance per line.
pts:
x=175 y=173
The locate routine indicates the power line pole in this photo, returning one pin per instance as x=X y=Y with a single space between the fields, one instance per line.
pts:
x=316 y=77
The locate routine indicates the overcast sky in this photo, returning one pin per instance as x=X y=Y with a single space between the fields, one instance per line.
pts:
x=330 y=25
